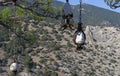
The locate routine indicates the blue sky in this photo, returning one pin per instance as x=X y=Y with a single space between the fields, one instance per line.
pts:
x=99 y=3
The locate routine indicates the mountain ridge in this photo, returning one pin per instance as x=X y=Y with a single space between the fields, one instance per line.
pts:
x=92 y=14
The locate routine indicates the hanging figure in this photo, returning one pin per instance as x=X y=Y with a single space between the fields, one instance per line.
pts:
x=67 y=16
x=14 y=66
x=79 y=37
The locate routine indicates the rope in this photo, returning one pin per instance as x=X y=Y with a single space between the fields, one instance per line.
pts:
x=14 y=52
x=79 y=28
x=80 y=15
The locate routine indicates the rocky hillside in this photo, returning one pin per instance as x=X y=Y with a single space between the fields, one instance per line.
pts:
x=56 y=55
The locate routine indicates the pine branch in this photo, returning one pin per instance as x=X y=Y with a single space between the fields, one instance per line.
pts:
x=11 y=29
x=35 y=4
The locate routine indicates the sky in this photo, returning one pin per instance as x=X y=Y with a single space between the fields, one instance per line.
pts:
x=99 y=3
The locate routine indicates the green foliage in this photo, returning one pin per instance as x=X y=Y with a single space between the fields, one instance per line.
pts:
x=47 y=6
x=4 y=35
x=50 y=73
x=30 y=37
x=28 y=62
x=69 y=44
x=90 y=73
x=60 y=10
x=35 y=17
x=54 y=9
x=74 y=73
x=58 y=37
x=14 y=46
x=20 y=12
x=5 y=14
x=113 y=61
x=56 y=47
x=43 y=61
x=47 y=73
x=54 y=73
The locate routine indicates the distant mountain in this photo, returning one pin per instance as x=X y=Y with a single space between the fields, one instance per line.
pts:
x=92 y=15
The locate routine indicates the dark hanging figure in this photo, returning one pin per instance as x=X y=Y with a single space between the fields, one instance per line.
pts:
x=67 y=15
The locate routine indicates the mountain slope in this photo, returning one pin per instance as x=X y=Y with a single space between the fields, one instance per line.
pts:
x=95 y=15
x=56 y=55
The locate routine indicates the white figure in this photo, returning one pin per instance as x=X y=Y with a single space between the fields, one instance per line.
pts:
x=80 y=39
x=13 y=67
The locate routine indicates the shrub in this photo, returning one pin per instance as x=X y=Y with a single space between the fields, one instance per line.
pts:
x=28 y=62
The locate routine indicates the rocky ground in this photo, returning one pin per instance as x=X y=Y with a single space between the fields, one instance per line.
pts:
x=56 y=54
